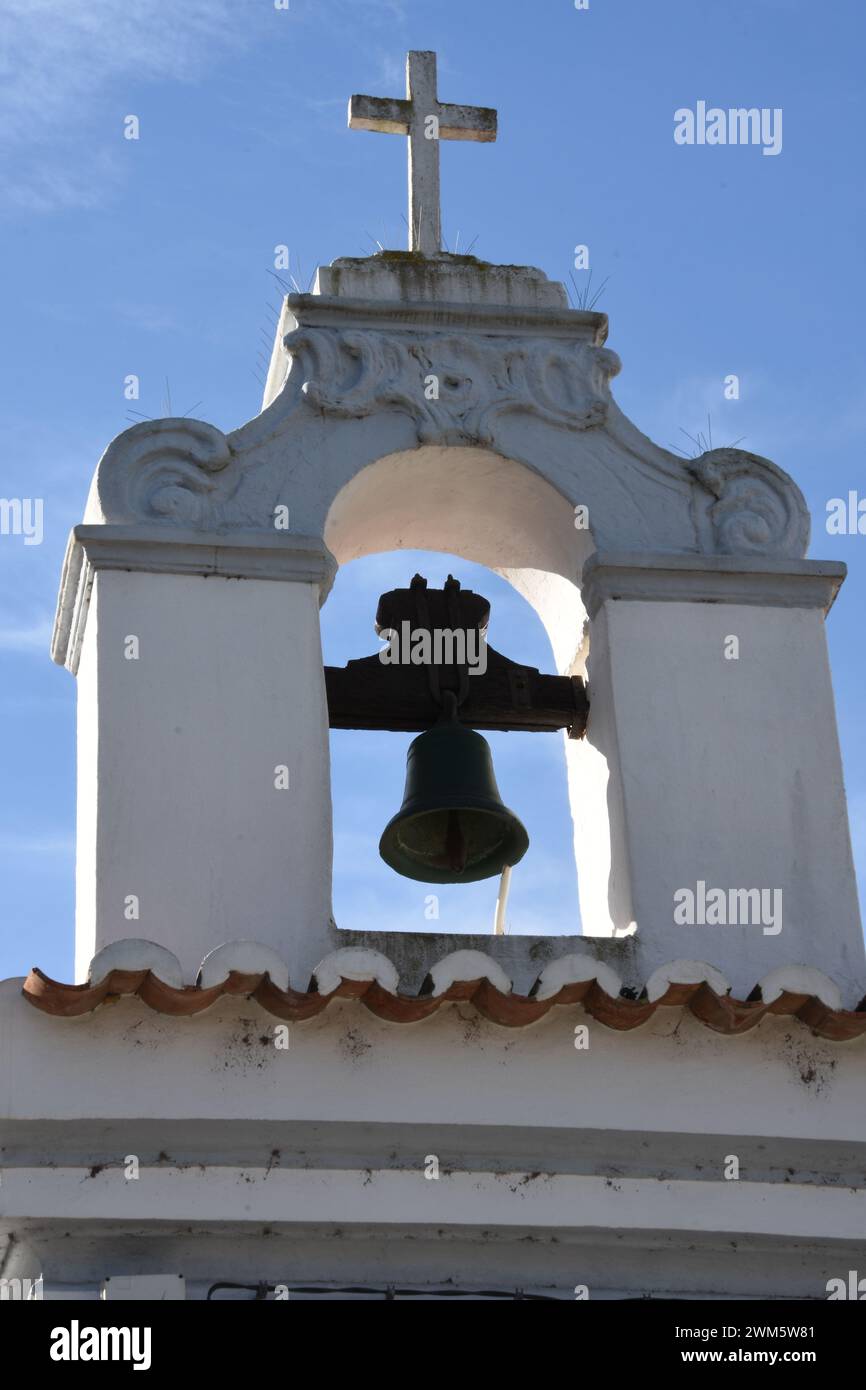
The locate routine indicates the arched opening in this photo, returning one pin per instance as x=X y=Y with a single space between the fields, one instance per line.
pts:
x=482 y=507
x=368 y=771
x=483 y=510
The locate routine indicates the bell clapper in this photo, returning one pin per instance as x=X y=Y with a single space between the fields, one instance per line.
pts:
x=502 y=902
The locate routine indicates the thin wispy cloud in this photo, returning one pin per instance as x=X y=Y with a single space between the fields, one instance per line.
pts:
x=65 y=69
x=61 y=63
x=56 y=55
x=771 y=418
x=392 y=72
x=47 y=187
x=31 y=637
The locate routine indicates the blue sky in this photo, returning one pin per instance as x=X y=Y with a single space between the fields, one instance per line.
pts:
x=151 y=257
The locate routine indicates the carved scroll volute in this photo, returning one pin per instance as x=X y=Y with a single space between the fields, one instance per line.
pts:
x=749 y=506
x=175 y=471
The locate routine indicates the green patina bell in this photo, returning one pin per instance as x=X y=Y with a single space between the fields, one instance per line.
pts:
x=452 y=826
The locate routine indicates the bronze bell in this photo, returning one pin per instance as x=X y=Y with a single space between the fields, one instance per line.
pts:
x=452 y=826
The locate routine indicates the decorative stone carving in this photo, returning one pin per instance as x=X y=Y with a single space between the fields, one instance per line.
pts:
x=352 y=374
x=456 y=389
x=758 y=509
x=173 y=470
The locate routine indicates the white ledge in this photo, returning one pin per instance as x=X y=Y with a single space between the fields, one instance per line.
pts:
x=738 y=579
x=155 y=548
x=575 y=325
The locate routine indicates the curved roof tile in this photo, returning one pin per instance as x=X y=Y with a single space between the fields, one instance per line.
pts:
x=720 y=1012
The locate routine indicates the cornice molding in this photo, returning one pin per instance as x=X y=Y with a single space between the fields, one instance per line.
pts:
x=576 y=325
x=764 y=581
x=154 y=549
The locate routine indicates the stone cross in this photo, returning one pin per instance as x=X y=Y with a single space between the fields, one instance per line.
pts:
x=426 y=122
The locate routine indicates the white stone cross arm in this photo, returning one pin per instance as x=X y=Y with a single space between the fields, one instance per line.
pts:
x=426 y=121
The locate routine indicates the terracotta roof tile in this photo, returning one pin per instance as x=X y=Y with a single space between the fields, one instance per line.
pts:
x=720 y=1012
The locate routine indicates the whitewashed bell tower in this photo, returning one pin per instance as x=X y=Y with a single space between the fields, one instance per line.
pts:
x=189 y=614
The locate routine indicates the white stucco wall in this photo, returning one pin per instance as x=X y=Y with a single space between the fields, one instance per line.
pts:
x=725 y=771
x=177 y=802
x=610 y=1172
